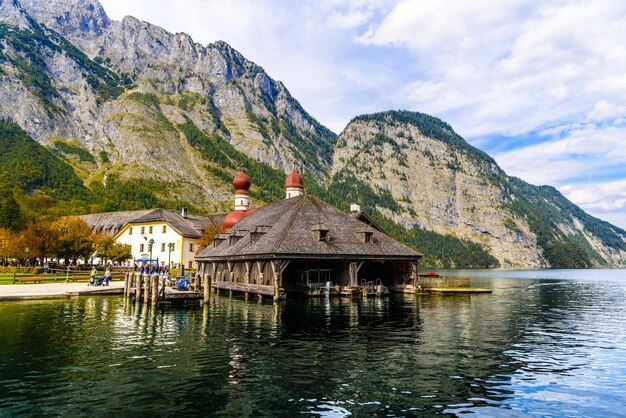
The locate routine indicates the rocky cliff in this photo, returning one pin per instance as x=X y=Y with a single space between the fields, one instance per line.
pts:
x=121 y=90
x=443 y=184
x=153 y=116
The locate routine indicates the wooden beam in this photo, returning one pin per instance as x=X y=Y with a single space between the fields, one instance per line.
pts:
x=248 y=265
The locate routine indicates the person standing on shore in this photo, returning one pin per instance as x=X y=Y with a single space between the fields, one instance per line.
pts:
x=92 y=276
x=107 y=276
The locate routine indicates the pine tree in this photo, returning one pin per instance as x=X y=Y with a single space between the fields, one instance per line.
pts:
x=10 y=214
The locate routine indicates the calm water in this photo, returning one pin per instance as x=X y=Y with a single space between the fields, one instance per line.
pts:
x=551 y=343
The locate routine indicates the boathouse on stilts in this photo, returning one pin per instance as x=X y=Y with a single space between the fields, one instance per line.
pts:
x=302 y=245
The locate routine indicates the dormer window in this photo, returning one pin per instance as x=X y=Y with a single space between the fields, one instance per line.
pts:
x=366 y=235
x=236 y=236
x=218 y=240
x=258 y=232
x=321 y=231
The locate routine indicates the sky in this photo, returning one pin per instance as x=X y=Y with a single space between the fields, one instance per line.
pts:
x=540 y=86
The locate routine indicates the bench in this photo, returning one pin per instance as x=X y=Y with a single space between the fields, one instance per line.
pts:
x=28 y=279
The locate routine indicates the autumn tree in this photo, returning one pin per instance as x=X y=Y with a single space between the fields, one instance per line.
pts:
x=40 y=240
x=208 y=233
x=7 y=244
x=75 y=238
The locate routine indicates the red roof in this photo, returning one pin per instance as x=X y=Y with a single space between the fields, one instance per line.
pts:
x=233 y=218
x=294 y=180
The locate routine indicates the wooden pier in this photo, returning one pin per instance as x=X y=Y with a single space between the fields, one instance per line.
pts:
x=156 y=289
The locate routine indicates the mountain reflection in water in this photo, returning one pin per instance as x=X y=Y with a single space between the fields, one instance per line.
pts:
x=547 y=342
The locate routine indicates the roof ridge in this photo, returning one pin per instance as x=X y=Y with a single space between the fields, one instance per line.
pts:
x=293 y=217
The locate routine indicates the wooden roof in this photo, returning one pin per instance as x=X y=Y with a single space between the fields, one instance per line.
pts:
x=111 y=223
x=366 y=220
x=291 y=228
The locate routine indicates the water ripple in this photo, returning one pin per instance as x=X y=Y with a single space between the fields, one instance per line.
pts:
x=536 y=345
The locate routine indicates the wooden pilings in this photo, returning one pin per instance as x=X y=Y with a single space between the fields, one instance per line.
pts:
x=128 y=282
x=207 y=288
x=146 y=285
x=138 y=287
x=154 y=289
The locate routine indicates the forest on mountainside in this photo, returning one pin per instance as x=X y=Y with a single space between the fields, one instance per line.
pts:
x=36 y=184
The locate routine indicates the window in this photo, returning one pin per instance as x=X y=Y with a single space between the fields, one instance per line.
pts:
x=191 y=247
x=191 y=264
x=140 y=248
x=368 y=237
x=130 y=231
x=143 y=230
x=150 y=229
x=162 y=247
x=321 y=231
x=164 y=229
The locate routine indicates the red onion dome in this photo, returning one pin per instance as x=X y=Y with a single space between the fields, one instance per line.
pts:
x=242 y=182
x=294 y=180
x=232 y=218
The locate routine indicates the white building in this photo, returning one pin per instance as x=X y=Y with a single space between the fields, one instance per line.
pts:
x=159 y=234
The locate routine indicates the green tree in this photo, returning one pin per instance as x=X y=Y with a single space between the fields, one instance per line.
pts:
x=104 y=247
x=120 y=252
x=11 y=214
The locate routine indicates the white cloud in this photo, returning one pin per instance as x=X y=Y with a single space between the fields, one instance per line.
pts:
x=520 y=65
x=606 y=200
x=604 y=110
x=581 y=153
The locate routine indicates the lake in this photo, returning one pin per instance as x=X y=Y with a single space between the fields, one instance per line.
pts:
x=546 y=342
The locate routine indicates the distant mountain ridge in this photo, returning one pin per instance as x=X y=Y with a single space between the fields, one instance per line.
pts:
x=131 y=109
x=445 y=185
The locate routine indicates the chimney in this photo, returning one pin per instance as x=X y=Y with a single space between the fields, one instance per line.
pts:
x=183 y=212
x=355 y=207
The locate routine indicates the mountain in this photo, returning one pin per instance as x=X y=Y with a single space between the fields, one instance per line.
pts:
x=123 y=90
x=135 y=116
x=443 y=184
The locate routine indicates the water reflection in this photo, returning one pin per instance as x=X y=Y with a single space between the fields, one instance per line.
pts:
x=535 y=345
